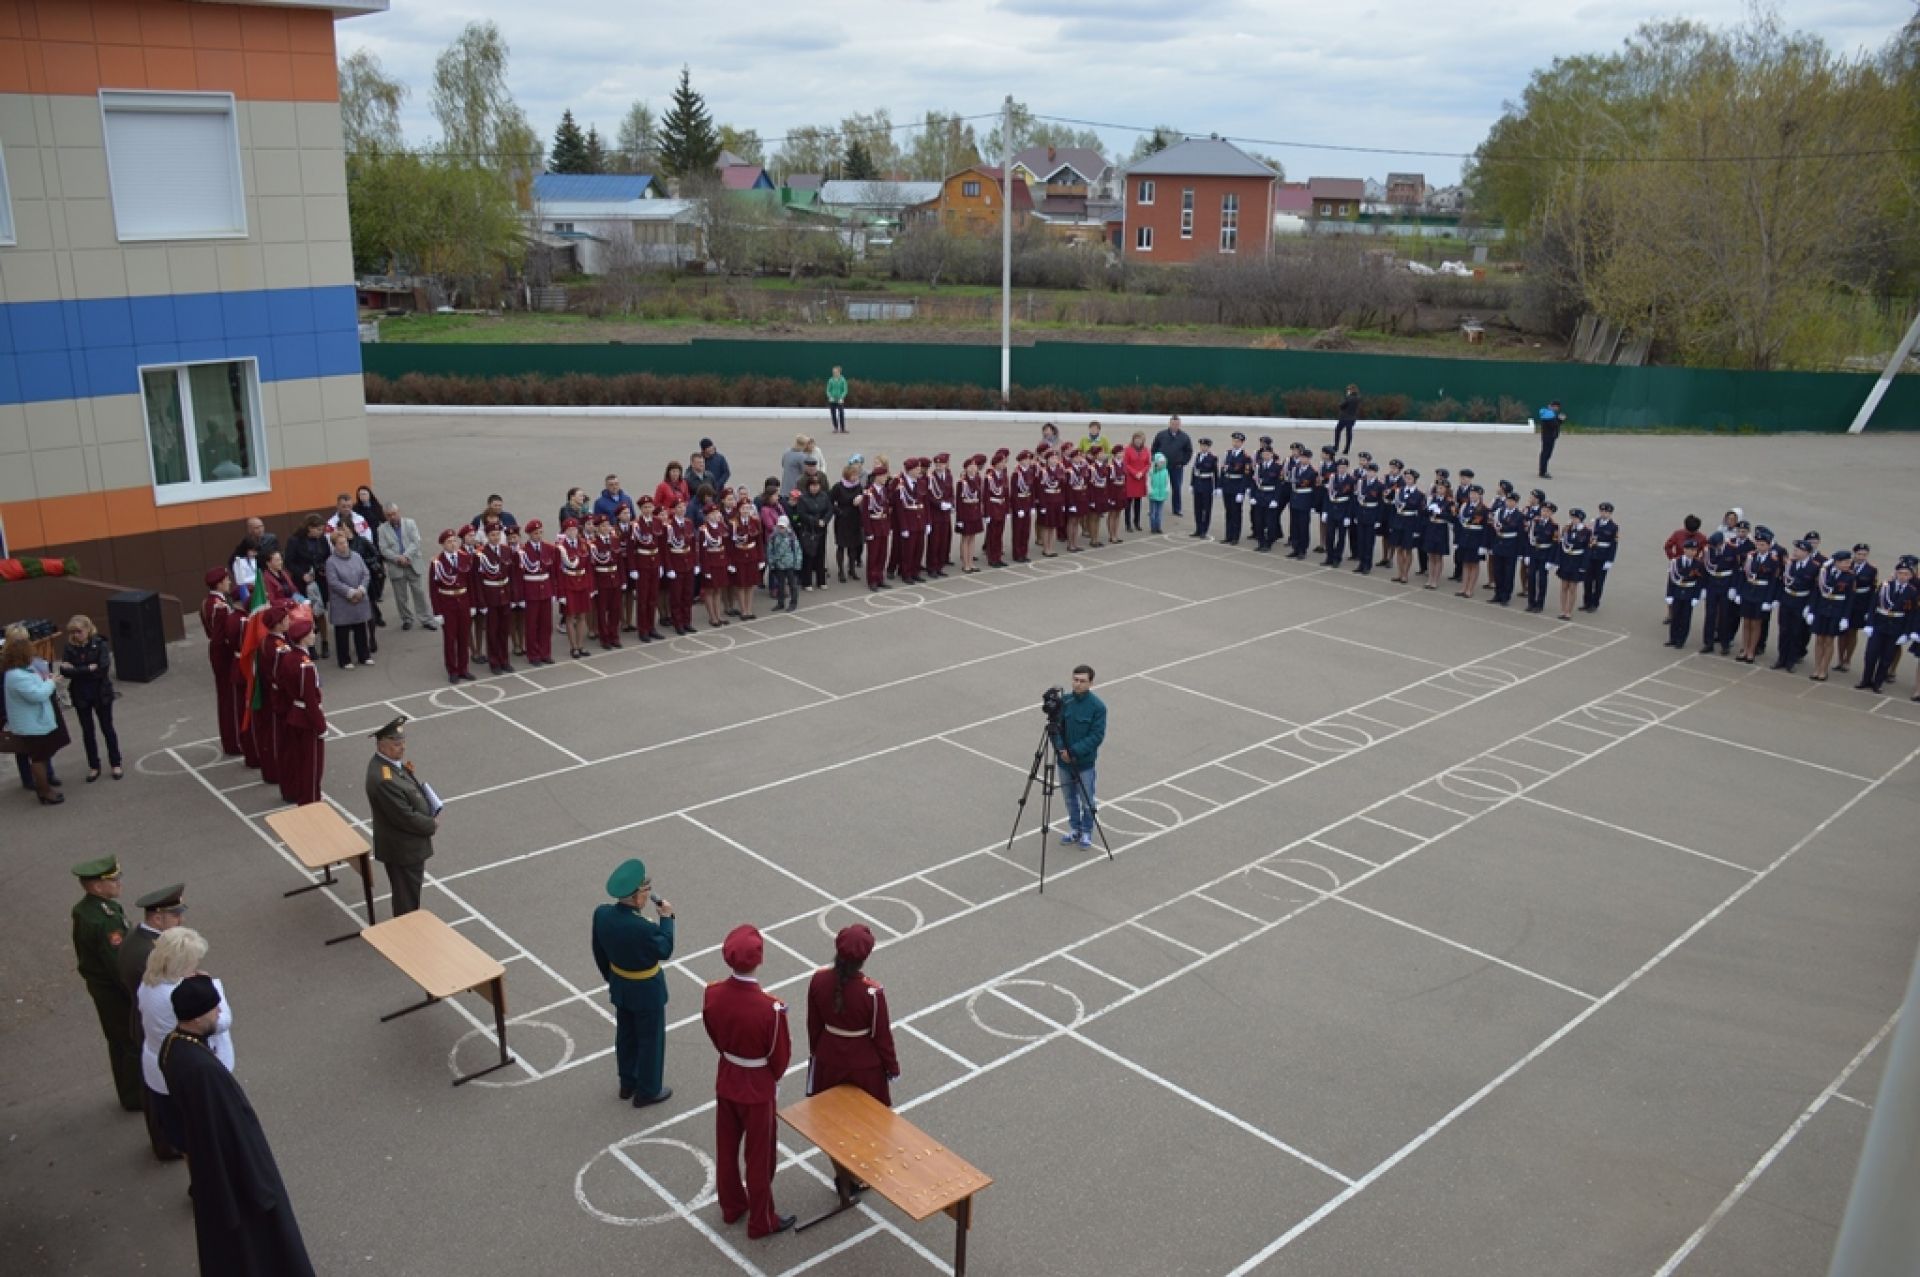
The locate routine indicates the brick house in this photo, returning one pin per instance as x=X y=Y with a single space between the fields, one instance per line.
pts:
x=1199 y=198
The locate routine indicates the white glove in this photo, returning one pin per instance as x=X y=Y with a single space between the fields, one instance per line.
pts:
x=1323 y=516
x=1273 y=505
x=1607 y=566
x=1239 y=498
x=1772 y=607
x=1696 y=601
x=1868 y=631
x=946 y=505
x=903 y=532
x=1733 y=596
x=483 y=611
x=1807 y=614
x=1669 y=600
x=1843 y=627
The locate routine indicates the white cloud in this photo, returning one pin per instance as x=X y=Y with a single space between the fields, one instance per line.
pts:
x=1383 y=75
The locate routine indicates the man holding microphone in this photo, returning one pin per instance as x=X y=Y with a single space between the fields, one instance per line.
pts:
x=628 y=949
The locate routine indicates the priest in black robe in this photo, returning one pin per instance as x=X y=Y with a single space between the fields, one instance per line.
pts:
x=242 y=1219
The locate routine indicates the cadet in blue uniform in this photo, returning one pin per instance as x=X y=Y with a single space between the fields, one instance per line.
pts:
x=1395 y=479
x=1409 y=517
x=1832 y=610
x=1755 y=590
x=1866 y=580
x=1370 y=497
x=1236 y=476
x=1471 y=541
x=1463 y=490
x=1437 y=534
x=1266 y=497
x=1206 y=473
x=1576 y=540
x=1606 y=544
x=1343 y=499
x=1722 y=616
x=1683 y=595
x=1507 y=525
x=1543 y=534
x=1797 y=581
x=1303 y=483
x=1889 y=624
x=629 y=950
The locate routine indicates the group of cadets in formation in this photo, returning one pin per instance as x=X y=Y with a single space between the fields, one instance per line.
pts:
x=1740 y=579
x=281 y=729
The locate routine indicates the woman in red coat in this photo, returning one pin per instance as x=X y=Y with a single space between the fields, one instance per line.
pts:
x=576 y=585
x=1138 y=461
x=672 y=489
x=849 y=1038
x=714 y=543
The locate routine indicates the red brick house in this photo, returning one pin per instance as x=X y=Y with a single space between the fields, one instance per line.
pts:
x=1197 y=199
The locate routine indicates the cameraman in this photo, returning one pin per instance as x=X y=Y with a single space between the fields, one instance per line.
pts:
x=1081 y=726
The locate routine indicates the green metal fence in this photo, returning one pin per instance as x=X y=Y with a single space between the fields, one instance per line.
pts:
x=1599 y=396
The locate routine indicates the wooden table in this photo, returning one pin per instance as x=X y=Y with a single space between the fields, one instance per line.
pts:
x=871 y=1145
x=443 y=963
x=320 y=838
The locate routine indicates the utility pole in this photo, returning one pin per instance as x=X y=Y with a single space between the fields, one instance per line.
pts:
x=1006 y=252
x=1886 y=378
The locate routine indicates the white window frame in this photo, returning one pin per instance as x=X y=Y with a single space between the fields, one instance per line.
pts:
x=130 y=100
x=1186 y=213
x=6 y=203
x=1230 y=222
x=563 y=228
x=196 y=488
x=1145 y=191
x=1143 y=239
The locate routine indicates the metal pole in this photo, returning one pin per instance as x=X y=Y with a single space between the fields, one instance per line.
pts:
x=1880 y=1233
x=1006 y=251
x=1886 y=378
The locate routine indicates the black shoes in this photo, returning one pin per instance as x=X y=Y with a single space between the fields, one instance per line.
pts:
x=641 y=1101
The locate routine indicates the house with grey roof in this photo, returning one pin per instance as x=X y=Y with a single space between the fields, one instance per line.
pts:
x=1198 y=199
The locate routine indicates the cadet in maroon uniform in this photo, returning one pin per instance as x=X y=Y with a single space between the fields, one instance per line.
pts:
x=712 y=541
x=996 y=494
x=215 y=613
x=1022 y=500
x=849 y=1037
x=576 y=585
x=939 y=515
x=909 y=508
x=306 y=725
x=643 y=571
x=285 y=691
x=448 y=581
x=604 y=553
x=237 y=680
x=748 y=1027
x=1051 y=504
x=745 y=555
x=493 y=569
x=534 y=575
x=262 y=723
x=969 y=499
x=681 y=562
x=1099 y=473
x=876 y=525
x=516 y=592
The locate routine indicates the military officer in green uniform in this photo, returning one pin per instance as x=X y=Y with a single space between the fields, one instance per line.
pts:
x=162 y=911
x=628 y=949
x=99 y=929
x=406 y=815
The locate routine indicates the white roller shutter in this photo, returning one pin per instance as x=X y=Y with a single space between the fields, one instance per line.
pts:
x=174 y=163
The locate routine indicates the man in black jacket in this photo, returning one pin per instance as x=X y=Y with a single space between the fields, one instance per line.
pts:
x=1176 y=445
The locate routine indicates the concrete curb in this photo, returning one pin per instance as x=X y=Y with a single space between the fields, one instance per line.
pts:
x=1250 y=425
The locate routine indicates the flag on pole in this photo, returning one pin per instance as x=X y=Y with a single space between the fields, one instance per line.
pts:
x=250 y=640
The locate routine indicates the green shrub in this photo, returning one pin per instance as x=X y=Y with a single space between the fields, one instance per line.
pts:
x=1446 y=408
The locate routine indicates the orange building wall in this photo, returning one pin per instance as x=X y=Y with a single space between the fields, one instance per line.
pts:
x=1256 y=217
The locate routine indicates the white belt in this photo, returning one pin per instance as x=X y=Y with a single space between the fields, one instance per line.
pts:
x=531 y=577
x=744 y=1062
x=299 y=704
x=846 y=1033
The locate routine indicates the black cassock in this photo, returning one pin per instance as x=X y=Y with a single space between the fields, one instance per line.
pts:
x=242 y=1219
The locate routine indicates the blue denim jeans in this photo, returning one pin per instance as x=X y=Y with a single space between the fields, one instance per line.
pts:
x=1081 y=797
x=1154 y=509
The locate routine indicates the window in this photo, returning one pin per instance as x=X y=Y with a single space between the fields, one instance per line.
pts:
x=1326 y=210
x=1143 y=239
x=173 y=165
x=970 y=190
x=1146 y=192
x=1230 y=223
x=203 y=430
x=1186 y=213
x=563 y=228
x=6 y=204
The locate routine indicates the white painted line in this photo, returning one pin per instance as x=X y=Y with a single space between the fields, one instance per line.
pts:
x=1755 y=749
x=1547 y=744
x=1021 y=639
x=686 y=1212
x=1844 y=1097
x=943 y=1049
x=1298 y=758
x=922 y=877
x=1201 y=798
x=1635 y=833
x=785 y=872
x=1324 y=845
x=1158 y=935
x=1428 y=802
x=1220 y=700
x=1482 y=954
x=981 y=753
x=1373 y=647
x=872 y=1230
x=1258 y=780
x=1104 y=974
x=821 y=692
x=1779 y=1146
x=1404 y=833
x=514 y=722
x=1221 y=904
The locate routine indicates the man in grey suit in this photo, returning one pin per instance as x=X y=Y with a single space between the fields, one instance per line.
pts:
x=398 y=540
x=406 y=815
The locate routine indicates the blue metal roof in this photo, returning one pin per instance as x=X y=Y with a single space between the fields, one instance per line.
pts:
x=610 y=188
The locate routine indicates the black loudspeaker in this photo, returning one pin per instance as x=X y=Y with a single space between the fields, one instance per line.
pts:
x=139 y=641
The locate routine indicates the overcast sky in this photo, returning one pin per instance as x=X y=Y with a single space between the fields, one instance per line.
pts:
x=1379 y=74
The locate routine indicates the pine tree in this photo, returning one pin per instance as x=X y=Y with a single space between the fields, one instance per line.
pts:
x=569 y=153
x=858 y=166
x=689 y=144
x=596 y=152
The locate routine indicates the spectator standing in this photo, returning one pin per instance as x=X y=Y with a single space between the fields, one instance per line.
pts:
x=368 y=507
x=837 y=400
x=1176 y=445
x=1686 y=539
x=1049 y=437
x=792 y=461
x=1137 y=461
x=264 y=541
x=398 y=540
x=497 y=511
x=672 y=488
x=611 y=499
x=32 y=717
x=307 y=555
x=812 y=513
x=576 y=507
x=344 y=516
x=244 y=567
x=1158 y=486
x=716 y=465
x=1349 y=413
x=847 y=533
x=1551 y=419
x=698 y=478
x=783 y=566
x=87 y=666
x=349 y=584
x=174 y=954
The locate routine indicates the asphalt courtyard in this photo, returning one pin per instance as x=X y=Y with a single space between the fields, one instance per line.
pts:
x=1439 y=938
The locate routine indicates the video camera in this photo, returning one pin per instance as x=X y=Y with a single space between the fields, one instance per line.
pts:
x=1054 y=702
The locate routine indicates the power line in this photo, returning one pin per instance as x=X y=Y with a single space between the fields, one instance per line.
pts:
x=431 y=152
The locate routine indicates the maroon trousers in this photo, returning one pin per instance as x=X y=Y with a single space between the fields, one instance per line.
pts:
x=646 y=598
x=302 y=765
x=456 y=640
x=680 y=598
x=499 y=635
x=877 y=559
x=939 y=541
x=227 y=706
x=753 y=1124
x=606 y=610
x=264 y=729
x=1022 y=533
x=538 y=626
x=996 y=544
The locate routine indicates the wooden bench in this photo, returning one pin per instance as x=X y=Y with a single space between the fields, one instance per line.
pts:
x=320 y=838
x=443 y=963
x=872 y=1146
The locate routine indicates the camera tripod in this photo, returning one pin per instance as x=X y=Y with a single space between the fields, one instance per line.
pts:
x=1044 y=771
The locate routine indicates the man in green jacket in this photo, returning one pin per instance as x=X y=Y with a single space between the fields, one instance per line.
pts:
x=406 y=815
x=837 y=400
x=99 y=929
x=629 y=950
x=1083 y=725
